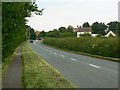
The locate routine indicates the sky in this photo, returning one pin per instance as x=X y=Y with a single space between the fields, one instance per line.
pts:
x=59 y=13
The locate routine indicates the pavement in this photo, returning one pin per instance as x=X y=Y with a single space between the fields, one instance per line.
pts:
x=83 y=71
x=12 y=78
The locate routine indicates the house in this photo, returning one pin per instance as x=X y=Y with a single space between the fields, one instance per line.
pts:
x=110 y=33
x=94 y=35
x=82 y=30
x=37 y=33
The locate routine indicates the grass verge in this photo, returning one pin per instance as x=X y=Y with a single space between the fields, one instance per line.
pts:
x=39 y=74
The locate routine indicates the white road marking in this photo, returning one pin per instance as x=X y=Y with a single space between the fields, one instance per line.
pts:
x=50 y=51
x=62 y=56
x=94 y=66
x=73 y=59
x=55 y=53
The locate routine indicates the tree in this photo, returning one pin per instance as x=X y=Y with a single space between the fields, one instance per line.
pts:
x=86 y=24
x=118 y=30
x=99 y=28
x=42 y=34
x=14 y=29
x=112 y=26
x=32 y=34
x=102 y=28
x=95 y=28
x=62 y=29
x=70 y=29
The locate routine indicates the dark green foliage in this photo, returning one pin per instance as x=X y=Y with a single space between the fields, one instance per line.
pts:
x=86 y=24
x=118 y=34
x=53 y=34
x=98 y=46
x=69 y=29
x=62 y=29
x=118 y=29
x=102 y=28
x=112 y=26
x=42 y=34
x=14 y=29
x=99 y=28
x=95 y=27
x=32 y=34
x=61 y=32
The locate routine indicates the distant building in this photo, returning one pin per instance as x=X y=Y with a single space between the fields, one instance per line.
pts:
x=94 y=35
x=82 y=30
x=37 y=33
x=110 y=33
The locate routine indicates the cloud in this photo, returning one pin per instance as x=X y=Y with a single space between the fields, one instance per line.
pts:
x=64 y=14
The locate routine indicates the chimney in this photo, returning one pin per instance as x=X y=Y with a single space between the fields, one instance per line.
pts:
x=77 y=26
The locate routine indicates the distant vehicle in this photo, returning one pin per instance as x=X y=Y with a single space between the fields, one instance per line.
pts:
x=31 y=41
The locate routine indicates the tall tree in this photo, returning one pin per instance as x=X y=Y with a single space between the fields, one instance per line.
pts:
x=14 y=29
x=95 y=28
x=102 y=28
x=86 y=24
x=112 y=26
x=62 y=29
x=42 y=34
x=32 y=34
x=70 y=29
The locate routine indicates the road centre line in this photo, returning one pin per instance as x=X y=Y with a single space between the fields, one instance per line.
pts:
x=62 y=56
x=50 y=51
x=94 y=66
x=73 y=59
x=55 y=53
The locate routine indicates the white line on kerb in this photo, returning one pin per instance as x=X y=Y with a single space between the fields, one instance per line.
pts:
x=73 y=59
x=94 y=66
x=62 y=56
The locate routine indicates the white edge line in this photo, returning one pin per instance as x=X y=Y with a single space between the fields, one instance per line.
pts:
x=94 y=66
x=73 y=59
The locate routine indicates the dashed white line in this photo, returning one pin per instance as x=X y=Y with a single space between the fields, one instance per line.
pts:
x=50 y=51
x=94 y=66
x=55 y=53
x=73 y=59
x=62 y=56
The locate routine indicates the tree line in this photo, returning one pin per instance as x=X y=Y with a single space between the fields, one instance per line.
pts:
x=14 y=28
x=97 y=28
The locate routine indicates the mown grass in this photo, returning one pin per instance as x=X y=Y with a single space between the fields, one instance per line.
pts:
x=97 y=47
x=39 y=74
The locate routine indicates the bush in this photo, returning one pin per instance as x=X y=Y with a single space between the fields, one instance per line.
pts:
x=98 y=46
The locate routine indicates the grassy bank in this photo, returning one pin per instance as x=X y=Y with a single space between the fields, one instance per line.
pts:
x=97 y=47
x=39 y=74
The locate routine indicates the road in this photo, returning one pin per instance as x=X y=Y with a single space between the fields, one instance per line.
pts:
x=82 y=71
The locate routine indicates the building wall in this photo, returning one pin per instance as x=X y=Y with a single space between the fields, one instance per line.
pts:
x=79 y=33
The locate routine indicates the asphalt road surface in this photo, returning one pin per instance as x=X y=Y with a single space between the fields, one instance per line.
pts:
x=82 y=71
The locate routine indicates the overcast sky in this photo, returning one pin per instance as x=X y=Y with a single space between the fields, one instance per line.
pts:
x=59 y=13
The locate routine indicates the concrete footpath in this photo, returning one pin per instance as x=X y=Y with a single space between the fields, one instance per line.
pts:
x=12 y=78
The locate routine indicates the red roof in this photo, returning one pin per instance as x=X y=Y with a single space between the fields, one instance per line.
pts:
x=83 y=29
